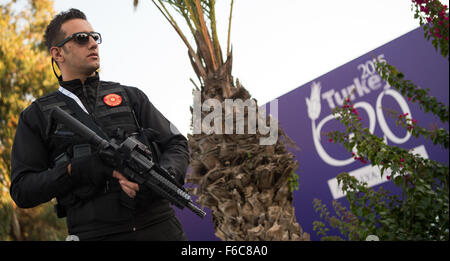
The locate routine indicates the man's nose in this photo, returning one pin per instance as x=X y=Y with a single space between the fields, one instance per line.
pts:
x=92 y=43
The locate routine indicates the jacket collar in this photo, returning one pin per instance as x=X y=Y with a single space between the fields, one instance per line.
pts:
x=75 y=85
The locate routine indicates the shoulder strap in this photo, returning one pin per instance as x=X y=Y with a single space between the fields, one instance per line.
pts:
x=82 y=116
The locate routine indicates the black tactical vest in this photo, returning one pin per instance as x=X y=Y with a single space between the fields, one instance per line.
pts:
x=115 y=120
x=113 y=117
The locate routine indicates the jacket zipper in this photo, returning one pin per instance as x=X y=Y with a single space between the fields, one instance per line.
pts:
x=85 y=93
x=92 y=115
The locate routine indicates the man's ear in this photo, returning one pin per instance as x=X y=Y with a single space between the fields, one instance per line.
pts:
x=57 y=55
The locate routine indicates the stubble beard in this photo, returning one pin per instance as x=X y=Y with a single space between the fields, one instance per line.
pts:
x=92 y=68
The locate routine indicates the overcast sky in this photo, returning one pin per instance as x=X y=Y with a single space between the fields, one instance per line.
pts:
x=277 y=45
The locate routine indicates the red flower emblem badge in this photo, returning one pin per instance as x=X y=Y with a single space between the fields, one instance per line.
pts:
x=112 y=100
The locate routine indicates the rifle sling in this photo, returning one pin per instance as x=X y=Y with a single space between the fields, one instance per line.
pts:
x=85 y=118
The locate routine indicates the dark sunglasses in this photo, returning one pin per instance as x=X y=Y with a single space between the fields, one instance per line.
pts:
x=82 y=38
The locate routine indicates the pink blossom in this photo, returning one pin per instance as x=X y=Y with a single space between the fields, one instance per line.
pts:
x=414 y=121
x=388 y=177
x=403 y=115
x=360 y=159
x=330 y=140
x=402 y=160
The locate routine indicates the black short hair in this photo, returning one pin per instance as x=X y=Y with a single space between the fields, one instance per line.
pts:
x=53 y=32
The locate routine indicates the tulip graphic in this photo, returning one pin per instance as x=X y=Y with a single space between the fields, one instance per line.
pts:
x=313 y=103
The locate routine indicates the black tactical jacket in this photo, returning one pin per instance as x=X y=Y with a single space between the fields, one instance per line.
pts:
x=35 y=178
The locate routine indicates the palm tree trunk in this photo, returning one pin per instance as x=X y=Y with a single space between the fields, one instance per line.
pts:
x=246 y=185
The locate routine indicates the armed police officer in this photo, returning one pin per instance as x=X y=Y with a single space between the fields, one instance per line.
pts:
x=50 y=161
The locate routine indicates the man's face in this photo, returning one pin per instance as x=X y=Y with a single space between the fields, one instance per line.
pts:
x=79 y=59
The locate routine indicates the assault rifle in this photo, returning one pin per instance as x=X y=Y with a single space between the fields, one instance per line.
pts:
x=137 y=162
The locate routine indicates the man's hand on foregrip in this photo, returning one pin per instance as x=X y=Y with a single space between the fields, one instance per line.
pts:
x=127 y=186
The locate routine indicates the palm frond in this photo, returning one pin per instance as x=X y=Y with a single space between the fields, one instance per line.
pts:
x=229 y=28
x=200 y=17
x=196 y=60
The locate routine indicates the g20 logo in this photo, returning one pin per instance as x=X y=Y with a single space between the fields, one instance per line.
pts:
x=375 y=115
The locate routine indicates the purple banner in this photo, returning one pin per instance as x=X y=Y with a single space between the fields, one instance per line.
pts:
x=305 y=113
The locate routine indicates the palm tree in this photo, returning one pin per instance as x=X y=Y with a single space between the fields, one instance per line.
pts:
x=246 y=185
